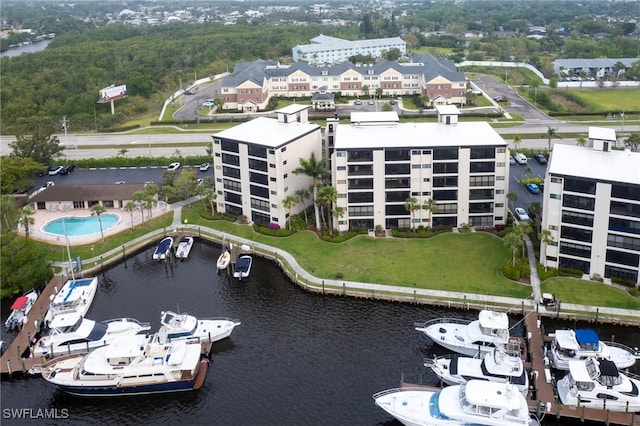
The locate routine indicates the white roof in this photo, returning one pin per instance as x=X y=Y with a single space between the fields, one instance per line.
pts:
x=602 y=133
x=579 y=372
x=293 y=108
x=416 y=135
x=491 y=319
x=359 y=117
x=447 y=109
x=493 y=394
x=567 y=339
x=578 y=161
x=65 y=319
x=268 y=132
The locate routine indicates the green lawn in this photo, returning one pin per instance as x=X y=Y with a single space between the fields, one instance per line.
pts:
x=572 y=290
x=611 y=100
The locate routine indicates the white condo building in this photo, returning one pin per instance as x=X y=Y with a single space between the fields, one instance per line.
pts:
x=254 y=164
x=377 y=163
x=330 y=50
x=592 y=208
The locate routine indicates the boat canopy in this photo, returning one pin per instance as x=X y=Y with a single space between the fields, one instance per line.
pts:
x=493 y=320
x=566 y=339
x=65 y=320
x=587 y=339
x=492 y=394
x=20 y=302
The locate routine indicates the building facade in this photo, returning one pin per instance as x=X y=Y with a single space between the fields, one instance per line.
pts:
x=377 y=163
x=592 y=209
x=254 y=164
x=252 y=84
x=331 y=50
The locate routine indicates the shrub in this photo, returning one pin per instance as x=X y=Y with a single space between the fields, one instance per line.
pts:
x=634 y=292
x=273 y=225
x=570 y=272
x=549 y=273
x=523 y=267
x=340 y=238
x=274 y=232
x=623 y=281
x=511 y=272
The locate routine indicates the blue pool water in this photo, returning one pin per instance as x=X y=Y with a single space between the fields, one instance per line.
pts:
x=78 y=226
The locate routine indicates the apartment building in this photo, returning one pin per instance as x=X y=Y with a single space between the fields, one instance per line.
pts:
x=592 y=208
x=254 y=164
x=377 y=163
x=252 y=84
x=326 y=50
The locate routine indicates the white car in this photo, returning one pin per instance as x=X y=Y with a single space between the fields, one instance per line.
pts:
x=54 y=170
x=204 y=167
x=173 y=166
x=521 y=214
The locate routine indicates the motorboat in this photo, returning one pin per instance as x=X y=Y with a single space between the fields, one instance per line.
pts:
x=71 y=333
x=187 y=327
x=223 y=260
x=497 y=366
x=75 y=296
x=579 y=344
x=20 y=309
x=476 y=402
x=597 y=383
x=129 y=366
x=163 y=248
x=469 y=338
x=184 y=247
x=243 y=267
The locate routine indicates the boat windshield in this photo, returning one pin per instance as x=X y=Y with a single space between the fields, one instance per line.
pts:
x=434 y=407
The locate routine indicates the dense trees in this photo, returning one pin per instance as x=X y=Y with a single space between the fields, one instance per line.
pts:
x=35 y=139
x=17 y=173
x=24 y=265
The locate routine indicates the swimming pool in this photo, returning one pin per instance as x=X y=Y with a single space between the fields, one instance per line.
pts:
x=79 y=226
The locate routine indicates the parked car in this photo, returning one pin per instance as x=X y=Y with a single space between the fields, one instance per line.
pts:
x=520 y=158
x=499 y=99
x=521 y=214
x=204 y=167
x=173 y=166
x=189 y=92
x=371 y=102
x=540 y=158
x=199 y=181
x=512 y=160
x=533 y=188
x=392 y=102
x=67 y=169
x=120 y=182
x=54 y=170
x=357 y=102
x=208 y=104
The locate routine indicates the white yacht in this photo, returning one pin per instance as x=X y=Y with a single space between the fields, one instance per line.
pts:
x=75 y=296
x=187 y=327
x=497 y=366
x=20 y=309
x=469 y=338
x=184 y=247
x=71 y=333
x=580 y=344
x=476 y=402
x=598 y=384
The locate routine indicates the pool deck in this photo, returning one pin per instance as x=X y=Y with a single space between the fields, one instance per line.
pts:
x=42 y=217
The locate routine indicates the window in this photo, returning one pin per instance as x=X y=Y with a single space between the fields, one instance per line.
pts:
x=577 y=234
x=620 y=241
x=229 y=146
x=232 y=185
x=628 y=192
x=360 y=183
x=481 y=194
x=445 y=168
x=578 y=202
x=625 y=209
x=107 y=203
x=397 y=169
x=445 y=181
x=576 y=218
x=397 y=183
x=257 y=165
x=445 y=154
x=581 y=265
x=260 y=217
x=233 y=160
x=482 y=166
x=260 y=205
x=231 y=172
x=257 y=151
x=395 y=210
x=579 y=185
x=78 y=204
x=258 y=178
x=623 y=258
x=481 y=208
x=359 y=156
x=230 y=197
x=577 y=250
x=624 y=225
x=481 y=181
x=555 y=196
x=396 y=196
x=360 y=197
x=615 y=271
x=360 y=211
x=396 y=154
x=481 y=221
x=445 y=195
x=482 y=152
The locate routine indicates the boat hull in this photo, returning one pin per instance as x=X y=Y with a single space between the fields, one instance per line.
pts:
x=113 y=390
x=83 y=305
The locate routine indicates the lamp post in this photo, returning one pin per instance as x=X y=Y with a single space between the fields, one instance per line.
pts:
x=149 y=142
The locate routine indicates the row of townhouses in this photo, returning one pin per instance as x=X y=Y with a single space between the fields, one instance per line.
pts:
x=252 y=84
x=591 y=198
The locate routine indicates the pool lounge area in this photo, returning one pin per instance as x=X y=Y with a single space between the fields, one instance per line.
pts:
x=80 y=226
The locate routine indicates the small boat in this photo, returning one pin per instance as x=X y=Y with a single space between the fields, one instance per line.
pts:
x=497 y=366
x=129 y=366
x=469 y=338
x=476 y=402
x=71 y=333
x=20 y=309
x=184 y=247
x=187 y=327
x=163 y=249
x=75 y=296
x=243 y=267
x=223 y=260
x=580 y=344
x=598 y=384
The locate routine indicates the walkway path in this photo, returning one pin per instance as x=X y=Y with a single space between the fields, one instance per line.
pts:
x=533 y=265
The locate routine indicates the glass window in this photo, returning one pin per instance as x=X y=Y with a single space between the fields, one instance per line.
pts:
x=230 y=197
x=397 y=183
x=575 y=249
x=257 y=165
x=259 y=191
x=445 y=168
x=621 y=241
x=397 y=169
x=585 y=186
x=624 y=225
x=258 y=178
x=360 y=211
x=577 y=234
x=445 y=181
x=360 y=197
x=445 y=153
x=257 y=151
x=629 y=192
x=623 y=258
x=232 y=185
x=577 y=218
x=481 y=194
x=578 y=202
x=625 y=209
x=365 y=183
x=395 y=210
x=233 y=160
x=483 y=152
x=445 y=195
x=396 y=154
x=481 y=208
x=229 y=146
x=359 y=156
x=482 y=166
x=231 y=172
x=396 y=196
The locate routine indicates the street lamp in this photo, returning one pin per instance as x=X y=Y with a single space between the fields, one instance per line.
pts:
x=149 y=142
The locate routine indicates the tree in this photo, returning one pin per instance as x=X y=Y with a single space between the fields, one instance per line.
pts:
x=411 y=205
x=8 y=212
x=545 y=238
x=551 y=133
x=327 y=196
x=138 y=198
x=26 y=219
x=528 y=171
x=17 y=173
x=522 y=229
x=35 y=139
x=302 y=195
x=314 y=169
x=24 y=265
x=185 y=184
x=365 y=90
x=581 y=141
x=513 y=241
x=130 y=206
x=633 y=141
x=97 y=210
x=517 y=140
x=168 y=177
x=512 y=197
x=122 y=152
x=431 y=207
x=167 y=192
x=288 y=203
x=149 y=202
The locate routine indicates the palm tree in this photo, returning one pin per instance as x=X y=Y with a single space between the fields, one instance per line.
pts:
x=123 y=152
x=327 y=196
x=150 y=202
x=288 y=203
x=411 y=205
x=338 y=212
x=430 y=206
x=551 y=133
x=302 y=195
x=26 y=219
x=97 y=210
x=167 y=192
x=513 y=241
x=522 y=229
x=581 y=141
x=528 y=171
x=138 y=197
x=130 y=206
x=546 y=238
x=517 y=140
x=314 y=169
x=512 y=197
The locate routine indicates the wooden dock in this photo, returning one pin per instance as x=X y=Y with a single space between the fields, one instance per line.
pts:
x=12 y=360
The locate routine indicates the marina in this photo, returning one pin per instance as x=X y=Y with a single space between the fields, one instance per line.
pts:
x=371 y=343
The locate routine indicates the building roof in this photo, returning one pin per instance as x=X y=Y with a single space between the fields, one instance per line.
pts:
x=585 y=162
x=411 y=135
x=602 y=133
x=292 y=109
x=88 y=192
x=447 y=110
x=267 y=132
x=573 y=63
x=323 y=43
x=363 y=118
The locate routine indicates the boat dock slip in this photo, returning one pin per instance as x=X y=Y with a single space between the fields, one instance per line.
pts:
x=12 y=361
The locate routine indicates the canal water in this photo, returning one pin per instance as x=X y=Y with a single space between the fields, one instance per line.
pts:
x=297 y=359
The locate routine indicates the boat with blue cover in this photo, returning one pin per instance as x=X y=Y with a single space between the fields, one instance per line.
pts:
x=75 y=296
x=242 y=267
x=163 y=248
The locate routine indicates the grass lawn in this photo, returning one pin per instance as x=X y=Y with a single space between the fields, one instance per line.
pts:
x=611 y=99
x=572 y=290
